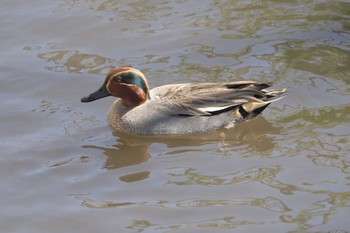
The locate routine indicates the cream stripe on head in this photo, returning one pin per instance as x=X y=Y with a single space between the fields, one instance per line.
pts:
x=121 y=70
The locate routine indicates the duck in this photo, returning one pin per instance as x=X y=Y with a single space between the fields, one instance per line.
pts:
x=179 y=109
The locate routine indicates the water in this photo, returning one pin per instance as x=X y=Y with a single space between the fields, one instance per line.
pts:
x=63 y=168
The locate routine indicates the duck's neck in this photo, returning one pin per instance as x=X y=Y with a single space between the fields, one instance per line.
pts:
x=132 y=96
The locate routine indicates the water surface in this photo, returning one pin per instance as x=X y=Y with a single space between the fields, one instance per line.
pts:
x=64 y=169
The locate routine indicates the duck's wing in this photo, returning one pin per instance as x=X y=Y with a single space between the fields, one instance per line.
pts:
x=214 y=98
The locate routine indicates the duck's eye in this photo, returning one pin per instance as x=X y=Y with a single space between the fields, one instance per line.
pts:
x=117 y=79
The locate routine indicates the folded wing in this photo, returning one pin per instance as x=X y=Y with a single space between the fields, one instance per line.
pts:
x=207 y=99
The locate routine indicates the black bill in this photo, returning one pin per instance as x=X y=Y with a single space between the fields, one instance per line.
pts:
x=100 y=93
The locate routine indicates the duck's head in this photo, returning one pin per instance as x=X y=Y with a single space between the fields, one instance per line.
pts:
x=127 y=83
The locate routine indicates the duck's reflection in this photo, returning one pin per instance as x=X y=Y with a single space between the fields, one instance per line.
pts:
x=123 y=154
x=133 y=150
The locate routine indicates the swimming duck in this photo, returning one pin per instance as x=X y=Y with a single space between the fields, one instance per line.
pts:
x=177 y=109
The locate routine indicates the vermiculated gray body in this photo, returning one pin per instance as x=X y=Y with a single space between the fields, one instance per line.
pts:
x=192 y=108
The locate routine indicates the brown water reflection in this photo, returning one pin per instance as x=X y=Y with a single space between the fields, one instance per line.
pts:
x=268 y=203
x=227 y=223
x=75 y=62
x=323 y=134
x=122 y=155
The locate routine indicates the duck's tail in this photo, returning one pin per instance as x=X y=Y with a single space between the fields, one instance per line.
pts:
x=257 y=105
